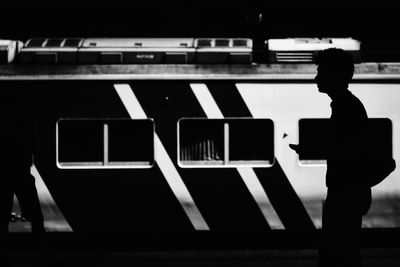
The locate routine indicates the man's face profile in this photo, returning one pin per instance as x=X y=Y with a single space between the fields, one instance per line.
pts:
x=323 y=79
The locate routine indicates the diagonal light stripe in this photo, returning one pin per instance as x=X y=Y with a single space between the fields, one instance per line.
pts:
x=248 y=175
x=54 y=220
x=206 y=100
x=277 y=109
x=163 y=160
x=257 y=191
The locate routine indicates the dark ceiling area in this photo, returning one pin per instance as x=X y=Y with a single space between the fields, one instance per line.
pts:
x=374 y=25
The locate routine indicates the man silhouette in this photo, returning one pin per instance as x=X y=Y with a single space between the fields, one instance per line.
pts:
x=17 y=136
x=348 y=195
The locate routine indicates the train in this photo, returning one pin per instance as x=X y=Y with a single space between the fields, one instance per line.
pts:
x=168 y=162
x=169 y=50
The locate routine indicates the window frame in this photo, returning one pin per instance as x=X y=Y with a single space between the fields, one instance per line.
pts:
x=226 y=162
x=106 y=163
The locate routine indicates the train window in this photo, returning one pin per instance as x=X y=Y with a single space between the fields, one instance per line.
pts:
x=239 y=42
x=312 y=138
x=105 y=143
x=72 y=42
x=36 y=42
x=225 y=143
x=80 y=142
x=54 y=42
x=204 y=43
x=313 y=134
x=130 y=142
x=222 y=42
x=251 y=140
x=201 y=142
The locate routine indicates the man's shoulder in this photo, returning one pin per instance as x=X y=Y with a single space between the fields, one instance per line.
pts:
x=359 y=106
x=349 y=107
x=354 y=105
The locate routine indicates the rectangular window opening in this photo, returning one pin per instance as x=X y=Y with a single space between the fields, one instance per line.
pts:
x=313 y=134
x=104 y=143
x=236 y=142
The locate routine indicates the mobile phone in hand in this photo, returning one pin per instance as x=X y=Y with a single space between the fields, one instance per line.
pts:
x=294 y=147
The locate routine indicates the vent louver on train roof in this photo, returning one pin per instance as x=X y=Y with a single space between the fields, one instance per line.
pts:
x=296 y=56
x=303 y=49
x=312 y=44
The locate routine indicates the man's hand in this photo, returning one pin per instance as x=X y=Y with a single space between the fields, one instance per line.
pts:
x=296 y=148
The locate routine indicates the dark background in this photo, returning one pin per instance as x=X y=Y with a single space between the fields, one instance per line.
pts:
x=374 y=24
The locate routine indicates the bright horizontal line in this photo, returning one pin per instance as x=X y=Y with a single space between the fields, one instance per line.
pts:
x=294 y=60
x=294 y=54
x=124 y=163
x=312 y=163
x=233 y=166
x=111 y=165
x=104 y=167
x=250 y=162
x=99 y=163
x=231 y=162
x=202 y=162
x=82 y=163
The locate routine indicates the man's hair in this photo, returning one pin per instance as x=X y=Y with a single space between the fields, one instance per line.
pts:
x=337 y=60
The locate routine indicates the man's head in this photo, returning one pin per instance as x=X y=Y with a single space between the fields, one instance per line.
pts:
x=335 y=70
